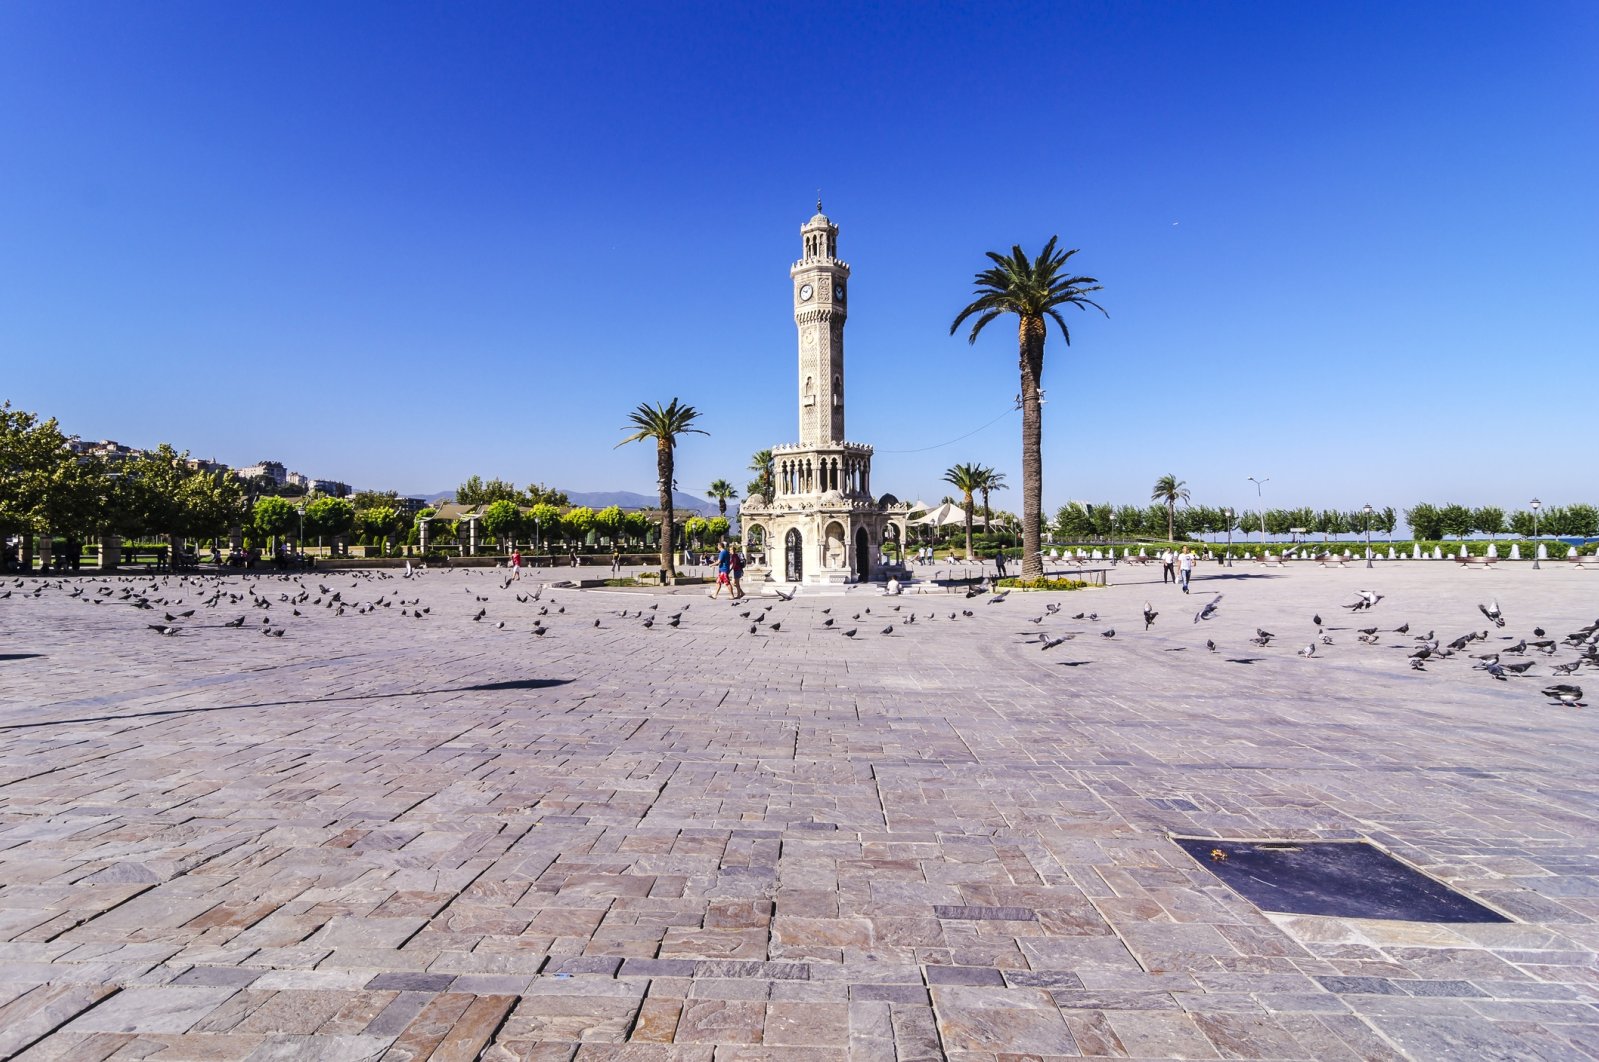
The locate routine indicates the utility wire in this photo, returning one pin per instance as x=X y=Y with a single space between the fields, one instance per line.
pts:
x=951 y=442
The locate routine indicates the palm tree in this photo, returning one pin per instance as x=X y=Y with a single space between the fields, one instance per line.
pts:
x=1170 y=490
x=989 y=480
x=664 y=425
x=761 y=465
x=1032 y=289
x=721 y=490
x=966 y=479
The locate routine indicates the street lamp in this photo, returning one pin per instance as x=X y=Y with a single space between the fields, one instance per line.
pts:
x=1367 y=511
x=1228 y=512
x=299 y=543
x=1262 y=496
x=1536 y=505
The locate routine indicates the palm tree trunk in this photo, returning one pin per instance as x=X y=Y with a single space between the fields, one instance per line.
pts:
x=1032 y=366
x=663 y=473
x=968 y=525
x=1171 y=521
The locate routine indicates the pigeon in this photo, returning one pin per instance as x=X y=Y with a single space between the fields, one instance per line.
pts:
x=1261 y=632
x=1368 y=599
x=850 y=633
x=1519 y=667
x=162 y=628
x=1108 y=634
x=1316 y=619
x=1495 y=616
x=1519 y=648
x=1569 y=696
x=1308 y=651
x=1050 y=643
x=1149 y=615
x=888 y=629
x=1209 y=610
x=235 y=623
x=1211 y=645
x=828 y=622
x=1402 y=630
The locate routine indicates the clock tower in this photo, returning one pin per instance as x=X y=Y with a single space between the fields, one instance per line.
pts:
x=821 y=293
x=822 y=526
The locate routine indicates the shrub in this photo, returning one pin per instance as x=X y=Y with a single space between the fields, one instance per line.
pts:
x=1042 y=584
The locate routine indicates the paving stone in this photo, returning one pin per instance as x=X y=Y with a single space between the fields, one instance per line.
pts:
x=380 y=834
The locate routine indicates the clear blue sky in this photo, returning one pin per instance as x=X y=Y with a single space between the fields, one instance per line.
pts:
x=1350 y=247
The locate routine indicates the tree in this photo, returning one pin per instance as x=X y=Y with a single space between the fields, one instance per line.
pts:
x=1033 y=289
x=967 y=479
x=503 y=520
x=664 y=424
x=695 y=530
x=539 y=494
x=211 y=503
x=329 y=517
x=545 y=520
x=578 y=523
x=611 y=522
x=1582 y=519
x=1488 y=520
x=637 y=526
x=763 y=484
x=989 y=480
x=476 y=492
x=716 y=527
x=1169 y=490
x=1455 y=520
x=33 y=459
x=1073 y=522
x=1130 y=520
x=375 y=499
x=275 y=517
x=1521 y=523
x=1425 y=522
x=721 y=490
x=380 y=522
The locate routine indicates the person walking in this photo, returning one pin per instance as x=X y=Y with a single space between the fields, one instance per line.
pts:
x=999 y=563
x=516 y=564
x=1168 y=573
x=724 y=569
x=735 y=571
x=616 y=560
x=1185 y=565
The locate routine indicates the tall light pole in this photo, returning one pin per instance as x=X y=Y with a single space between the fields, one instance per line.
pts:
x=1262 y=496
x=1536 y=505
x=1229 y=514
x=1367 y=511
x=299 y=543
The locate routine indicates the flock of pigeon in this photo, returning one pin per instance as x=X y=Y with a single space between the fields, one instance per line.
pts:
x=281 y=598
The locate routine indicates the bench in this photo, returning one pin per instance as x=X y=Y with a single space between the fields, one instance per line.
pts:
x=1584 y=562
x=1477 y=562
x=1270 y=562
x=1332 y=558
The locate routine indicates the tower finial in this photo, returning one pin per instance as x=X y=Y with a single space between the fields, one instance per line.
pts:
x=818 y=200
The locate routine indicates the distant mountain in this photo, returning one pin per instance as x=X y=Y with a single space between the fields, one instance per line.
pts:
x=600 y=499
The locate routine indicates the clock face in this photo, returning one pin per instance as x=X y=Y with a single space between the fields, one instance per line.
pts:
x=806 y=291
x=838 y=292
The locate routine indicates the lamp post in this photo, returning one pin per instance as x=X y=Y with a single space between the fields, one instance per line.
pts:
x=1367 y=511
x=1536 y=505
x=299 y=543
x=1228 y=512
x=538 y=540
x=1261 y=495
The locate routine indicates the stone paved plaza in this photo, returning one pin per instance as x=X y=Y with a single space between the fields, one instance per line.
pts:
x=382 y=836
